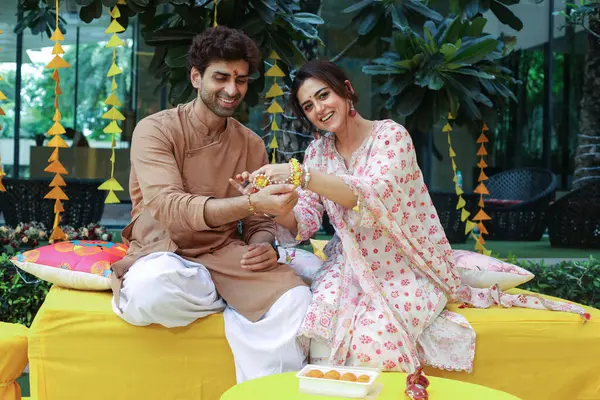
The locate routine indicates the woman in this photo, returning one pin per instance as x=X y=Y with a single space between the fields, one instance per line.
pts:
x=379 y=298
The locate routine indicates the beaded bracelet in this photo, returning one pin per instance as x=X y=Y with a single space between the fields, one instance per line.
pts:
x=251 y=207
x=306 y=177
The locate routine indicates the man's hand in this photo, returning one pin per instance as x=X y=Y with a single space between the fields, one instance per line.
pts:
x=275 y=199
x=259 y=257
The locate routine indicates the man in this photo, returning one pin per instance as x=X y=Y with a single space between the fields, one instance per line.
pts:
x=185 y=219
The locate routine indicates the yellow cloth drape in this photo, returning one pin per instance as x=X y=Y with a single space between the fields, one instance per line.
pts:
x=13 y=359
x=77 y=345
x=79 y=349
x=285 y=386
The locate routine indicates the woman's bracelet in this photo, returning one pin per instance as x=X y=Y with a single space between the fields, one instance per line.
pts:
x=296 y=172
x=306 y=177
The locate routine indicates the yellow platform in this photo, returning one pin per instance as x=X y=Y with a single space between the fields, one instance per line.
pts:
x=79 y=349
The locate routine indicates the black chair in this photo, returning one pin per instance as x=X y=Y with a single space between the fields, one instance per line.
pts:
x=24 y=201
x=574 y=219
x=445 y=205
x=518 y=203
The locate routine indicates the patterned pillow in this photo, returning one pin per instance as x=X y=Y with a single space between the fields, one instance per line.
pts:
x=481 y=271
x=304 y=263
x=77 y=264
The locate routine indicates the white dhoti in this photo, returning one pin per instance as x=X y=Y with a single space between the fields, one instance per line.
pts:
x=163 y=288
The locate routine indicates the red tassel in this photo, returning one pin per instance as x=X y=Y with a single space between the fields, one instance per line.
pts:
x=587 y=316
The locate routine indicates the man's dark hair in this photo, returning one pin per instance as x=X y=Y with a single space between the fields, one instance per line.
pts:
x=222 y=44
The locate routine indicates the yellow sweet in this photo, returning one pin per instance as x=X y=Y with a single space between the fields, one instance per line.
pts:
x=348 y=376
x=333 y=374
x=315 y=373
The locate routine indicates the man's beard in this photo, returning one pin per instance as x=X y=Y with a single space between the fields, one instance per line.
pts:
x=210 y=101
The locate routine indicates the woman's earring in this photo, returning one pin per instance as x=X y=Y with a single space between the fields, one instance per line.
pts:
x=352 y=109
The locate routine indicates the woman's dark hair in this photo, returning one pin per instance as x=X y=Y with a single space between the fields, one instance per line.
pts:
x=222 y=44
x=325 y=71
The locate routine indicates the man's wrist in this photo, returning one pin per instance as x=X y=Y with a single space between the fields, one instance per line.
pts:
x=251 y=206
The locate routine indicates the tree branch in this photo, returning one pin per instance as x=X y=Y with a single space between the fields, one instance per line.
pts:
x=345 y=50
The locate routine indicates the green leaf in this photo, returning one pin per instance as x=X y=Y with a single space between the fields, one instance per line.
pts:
x=386 y=61
x=472 y=8
x=357 y=6
x=380 y=70
x=369 y=22
x=474 y=72
x=504 y=91
x=477 y=26
x=403 y=46
x=399 y=18
x=406 y=64
x=420 y=8
x=471 y=109
x=308 y=18
x=410 y=100
x=476 y=50
x=506 y=16
x=452 y=32
x=448 y=50
x=392 y=55
x=403 y=82
x=455 y=7
x=435 y=81
x=430 y=43
x=488 y=87
x=483 y=99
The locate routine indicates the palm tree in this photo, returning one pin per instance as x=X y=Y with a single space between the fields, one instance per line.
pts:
x=587 y=156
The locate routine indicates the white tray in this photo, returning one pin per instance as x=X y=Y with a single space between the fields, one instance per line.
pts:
x=337 y=388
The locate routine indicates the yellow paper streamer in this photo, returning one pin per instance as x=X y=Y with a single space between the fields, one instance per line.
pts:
x=113 y=114
x=274 y=108
x=215 y=16
x=273 y=93
x=482 y=190
x=460 y=205
x=55 y=167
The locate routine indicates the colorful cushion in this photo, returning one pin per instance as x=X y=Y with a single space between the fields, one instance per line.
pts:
x=476 y=270
x=304 y=263
x=481 y=271
x=77 y=264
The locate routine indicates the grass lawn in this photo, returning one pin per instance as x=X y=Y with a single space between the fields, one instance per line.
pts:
x=539 y=249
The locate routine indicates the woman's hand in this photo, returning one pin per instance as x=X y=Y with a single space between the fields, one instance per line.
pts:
x=277 y=173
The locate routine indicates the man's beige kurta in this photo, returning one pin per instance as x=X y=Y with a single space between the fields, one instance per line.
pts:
x=175 y=168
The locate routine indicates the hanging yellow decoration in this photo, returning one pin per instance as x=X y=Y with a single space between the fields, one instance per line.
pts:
x=2 y=173
x=113 y=114
x=56 y=131
x=464 y=214
x=481 y=190
x=274 y=109
x=215 y=15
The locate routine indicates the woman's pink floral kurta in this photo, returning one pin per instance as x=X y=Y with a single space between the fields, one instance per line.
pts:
x=379 y=298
